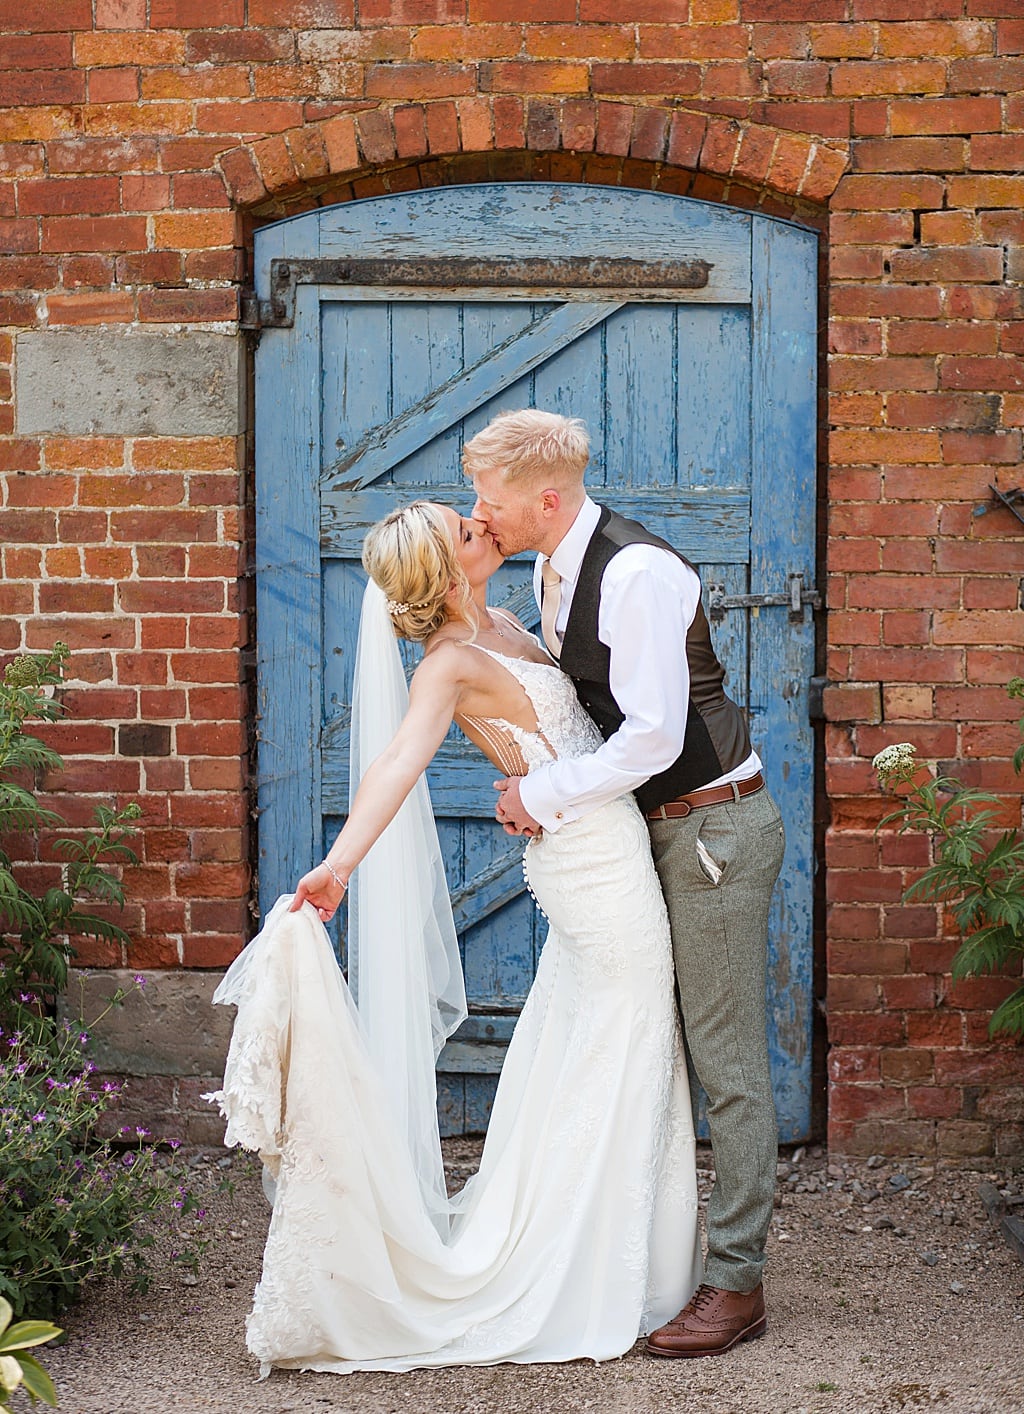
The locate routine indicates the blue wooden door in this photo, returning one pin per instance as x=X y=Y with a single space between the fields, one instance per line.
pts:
x=394 y=328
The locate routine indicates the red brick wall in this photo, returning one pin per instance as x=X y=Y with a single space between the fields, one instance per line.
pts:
x=147 y=137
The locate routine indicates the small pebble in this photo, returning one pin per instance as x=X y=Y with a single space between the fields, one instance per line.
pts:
x=875 y=1161
x=956 y=1287
x=898 y=1182
x=189 y=1280
x=884 y=1222
x=930 y=1259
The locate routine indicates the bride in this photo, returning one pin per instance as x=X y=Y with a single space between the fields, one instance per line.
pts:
x=578 y=1233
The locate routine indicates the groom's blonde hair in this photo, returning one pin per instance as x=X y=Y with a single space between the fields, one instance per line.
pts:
x=530 y=446
x=411 y=556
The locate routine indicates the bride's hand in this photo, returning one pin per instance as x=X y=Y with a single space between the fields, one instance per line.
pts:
x=322 y=888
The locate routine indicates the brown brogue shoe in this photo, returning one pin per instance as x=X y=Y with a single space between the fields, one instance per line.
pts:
x=712 y=1322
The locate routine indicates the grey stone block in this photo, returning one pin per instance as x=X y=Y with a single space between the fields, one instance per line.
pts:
x=123 y=383
x=170 y=1028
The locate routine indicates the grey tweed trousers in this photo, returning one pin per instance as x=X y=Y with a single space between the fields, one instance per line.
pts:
x=720 y=941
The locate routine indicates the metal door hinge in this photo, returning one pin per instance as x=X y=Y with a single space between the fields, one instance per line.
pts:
x=255 y=314
x=795 y=598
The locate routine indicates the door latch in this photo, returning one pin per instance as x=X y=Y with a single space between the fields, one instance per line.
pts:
x=795 y=598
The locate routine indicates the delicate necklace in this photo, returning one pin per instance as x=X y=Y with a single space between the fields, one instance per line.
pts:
x=491 y=620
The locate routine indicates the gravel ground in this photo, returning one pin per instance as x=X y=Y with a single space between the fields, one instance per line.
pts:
x=888 y=1289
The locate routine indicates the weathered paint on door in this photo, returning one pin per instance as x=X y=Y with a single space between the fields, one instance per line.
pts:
x=699 y=396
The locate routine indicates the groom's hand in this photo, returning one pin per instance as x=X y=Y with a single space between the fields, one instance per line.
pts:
x=510 y=810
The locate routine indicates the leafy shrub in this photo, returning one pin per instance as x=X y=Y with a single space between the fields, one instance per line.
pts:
x=35 y=946
x=977 y=872
x=72 y=1204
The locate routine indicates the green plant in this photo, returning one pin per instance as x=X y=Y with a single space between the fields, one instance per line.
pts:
x=978 y=870
x=18 y=1370
x=35 y=932
x=73 y=1205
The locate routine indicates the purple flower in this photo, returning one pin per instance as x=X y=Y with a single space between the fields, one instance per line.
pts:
x=128 y=1160
x=174 y=1143
x=83 y=1039
x=38 y=1118
x=139 y=981
x=26 y=997
x=109 y=1088
x=141 y=1132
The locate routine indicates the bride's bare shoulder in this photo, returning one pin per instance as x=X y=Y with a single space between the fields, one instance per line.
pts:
x=446 y=656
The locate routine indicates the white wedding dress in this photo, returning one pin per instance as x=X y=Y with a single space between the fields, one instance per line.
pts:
x=579 y=1232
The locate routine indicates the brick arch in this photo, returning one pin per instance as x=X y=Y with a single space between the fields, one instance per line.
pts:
x=501 y=137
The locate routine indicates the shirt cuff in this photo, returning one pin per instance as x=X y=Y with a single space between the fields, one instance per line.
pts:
x=543 y=804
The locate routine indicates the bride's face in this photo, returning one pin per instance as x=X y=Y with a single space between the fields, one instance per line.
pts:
x=477 y=553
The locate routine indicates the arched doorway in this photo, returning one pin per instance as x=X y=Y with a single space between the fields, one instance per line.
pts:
x=684 y=334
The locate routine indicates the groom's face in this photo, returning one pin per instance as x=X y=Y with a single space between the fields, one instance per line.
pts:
x=510 y=513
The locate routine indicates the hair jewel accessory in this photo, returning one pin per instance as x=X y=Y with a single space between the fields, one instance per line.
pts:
x=397 y=606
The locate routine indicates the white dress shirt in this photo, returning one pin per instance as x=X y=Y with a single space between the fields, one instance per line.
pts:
x=648 y=602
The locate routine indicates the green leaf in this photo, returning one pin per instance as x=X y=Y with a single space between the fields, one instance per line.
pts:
x=10 y=1373
x=26 y=1334
x=1008 y=1017
x=6 y=1312
x=37 y=1381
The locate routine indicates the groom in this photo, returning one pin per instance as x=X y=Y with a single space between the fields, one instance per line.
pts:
x=621 y=612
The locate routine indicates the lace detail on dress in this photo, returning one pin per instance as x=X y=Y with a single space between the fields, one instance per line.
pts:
x=251 y=1098
x=563 y=728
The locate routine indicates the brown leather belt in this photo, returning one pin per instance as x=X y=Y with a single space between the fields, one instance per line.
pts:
x=679 y=808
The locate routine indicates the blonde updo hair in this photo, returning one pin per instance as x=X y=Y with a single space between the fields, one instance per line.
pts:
x=411 y=556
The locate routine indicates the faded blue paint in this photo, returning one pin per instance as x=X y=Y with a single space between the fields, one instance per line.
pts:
x=701 y=408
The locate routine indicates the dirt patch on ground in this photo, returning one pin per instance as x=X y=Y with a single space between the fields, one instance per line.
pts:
x=888 y=1289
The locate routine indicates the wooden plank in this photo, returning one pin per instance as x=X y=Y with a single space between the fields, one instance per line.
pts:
x=356 y=383
x=783 y=404
x=480 y=1091
x=713 y=396
x=445 y=404
x=640 y=412
x=289 y=648
x=542 y=220
x=478 y=1046
x=489 y=886
x=731 y=635
x=710 y=526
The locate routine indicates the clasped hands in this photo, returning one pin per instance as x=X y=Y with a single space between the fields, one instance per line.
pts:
x=510 y=812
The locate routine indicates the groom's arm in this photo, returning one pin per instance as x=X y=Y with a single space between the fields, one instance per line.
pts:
x=648 y=601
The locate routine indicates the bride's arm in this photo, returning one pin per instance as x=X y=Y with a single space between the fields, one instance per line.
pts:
x=433 y=698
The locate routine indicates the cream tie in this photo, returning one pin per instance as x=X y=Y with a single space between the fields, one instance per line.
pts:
x=550 y=600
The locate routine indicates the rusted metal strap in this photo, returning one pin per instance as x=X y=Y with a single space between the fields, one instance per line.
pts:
x=544 y=274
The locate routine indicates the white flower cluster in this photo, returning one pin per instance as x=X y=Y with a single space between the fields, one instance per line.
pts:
x=896 y=759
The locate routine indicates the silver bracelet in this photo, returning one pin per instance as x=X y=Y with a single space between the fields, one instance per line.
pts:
x=335 y=876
